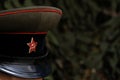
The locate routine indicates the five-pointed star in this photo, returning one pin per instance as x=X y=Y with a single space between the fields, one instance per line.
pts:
x=32 y=45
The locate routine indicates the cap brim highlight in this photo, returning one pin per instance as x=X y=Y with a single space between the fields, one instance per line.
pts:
x=27 y=70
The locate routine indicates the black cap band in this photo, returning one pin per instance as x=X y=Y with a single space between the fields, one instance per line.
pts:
x=23 y=45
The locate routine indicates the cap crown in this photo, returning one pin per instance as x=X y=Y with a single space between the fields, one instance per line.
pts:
x=30 y=19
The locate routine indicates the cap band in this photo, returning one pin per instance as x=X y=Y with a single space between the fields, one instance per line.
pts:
x=23 y=44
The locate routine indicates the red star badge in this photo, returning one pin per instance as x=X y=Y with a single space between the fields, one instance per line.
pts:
x=32 y=45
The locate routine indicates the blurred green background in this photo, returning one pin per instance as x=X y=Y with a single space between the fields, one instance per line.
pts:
x=86 y=43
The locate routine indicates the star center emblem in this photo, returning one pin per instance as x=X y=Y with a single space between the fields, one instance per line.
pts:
x=32 y=45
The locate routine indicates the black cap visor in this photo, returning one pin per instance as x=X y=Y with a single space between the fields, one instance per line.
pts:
x=30 y=69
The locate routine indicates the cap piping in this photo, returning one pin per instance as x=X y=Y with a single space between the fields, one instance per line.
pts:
x=23 y=33
x=31 y=10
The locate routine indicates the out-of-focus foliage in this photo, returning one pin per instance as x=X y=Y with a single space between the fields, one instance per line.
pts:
x=86 y=43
